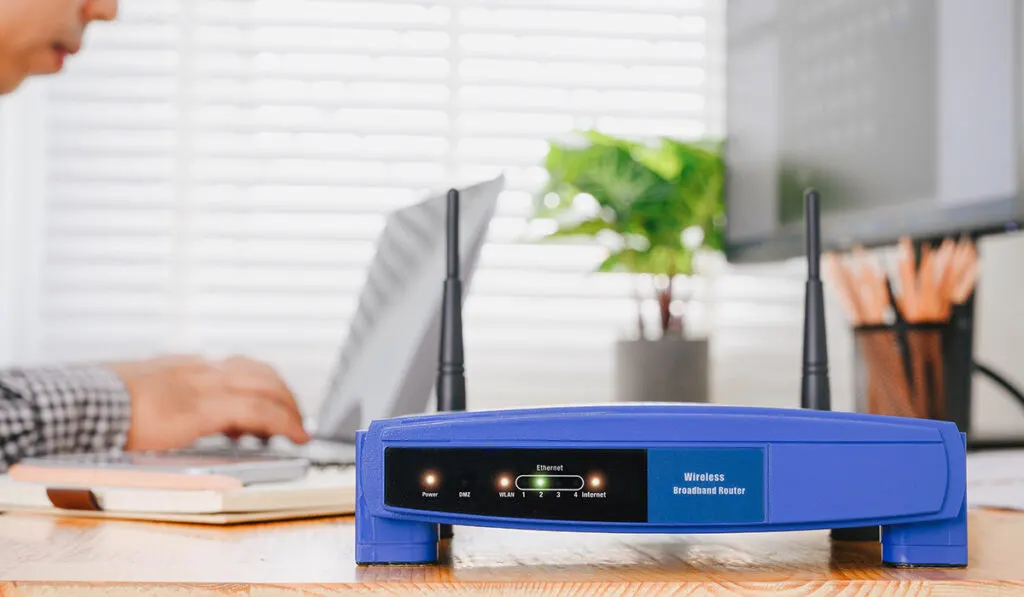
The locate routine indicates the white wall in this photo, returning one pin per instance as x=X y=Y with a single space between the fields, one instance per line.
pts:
x=22 y=164
x=1000 y=335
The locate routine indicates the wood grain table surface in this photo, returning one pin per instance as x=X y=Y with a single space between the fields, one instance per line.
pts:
x=41 y=555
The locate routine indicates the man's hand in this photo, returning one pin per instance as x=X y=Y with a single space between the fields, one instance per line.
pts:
x=177 y=400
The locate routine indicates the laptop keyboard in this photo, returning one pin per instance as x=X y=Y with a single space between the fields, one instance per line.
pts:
x=319 y=453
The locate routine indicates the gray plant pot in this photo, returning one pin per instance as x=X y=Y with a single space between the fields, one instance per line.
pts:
x=666 y=370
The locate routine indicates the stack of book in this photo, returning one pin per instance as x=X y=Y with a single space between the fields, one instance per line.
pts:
x=329 y=492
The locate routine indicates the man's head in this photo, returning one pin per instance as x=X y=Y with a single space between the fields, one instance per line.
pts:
x=36 y=35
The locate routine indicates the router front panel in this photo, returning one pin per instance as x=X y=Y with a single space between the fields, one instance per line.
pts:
x=682 y=485
x=582 y=485
x=662 y=469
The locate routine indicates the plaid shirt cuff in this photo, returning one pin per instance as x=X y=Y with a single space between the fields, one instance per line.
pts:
x=53 y=410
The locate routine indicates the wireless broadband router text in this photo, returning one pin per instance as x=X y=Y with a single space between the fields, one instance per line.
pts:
x=662 y=468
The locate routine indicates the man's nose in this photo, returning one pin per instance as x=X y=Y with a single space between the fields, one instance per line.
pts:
x=99 y=10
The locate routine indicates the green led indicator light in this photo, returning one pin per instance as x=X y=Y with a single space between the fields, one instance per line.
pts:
x=540 y=482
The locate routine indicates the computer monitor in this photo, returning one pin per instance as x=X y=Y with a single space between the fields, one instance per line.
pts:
x=905 y=114
x=388 y=363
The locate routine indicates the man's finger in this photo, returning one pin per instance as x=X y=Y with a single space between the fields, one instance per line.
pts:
x=255 y=415
x=245 y=375
x=239 y=388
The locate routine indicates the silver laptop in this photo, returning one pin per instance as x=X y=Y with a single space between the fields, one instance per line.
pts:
x=388 y=364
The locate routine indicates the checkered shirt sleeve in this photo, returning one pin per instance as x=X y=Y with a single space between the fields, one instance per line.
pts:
x=55 y=410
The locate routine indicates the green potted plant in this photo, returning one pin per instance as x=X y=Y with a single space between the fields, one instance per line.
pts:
x=655 y=207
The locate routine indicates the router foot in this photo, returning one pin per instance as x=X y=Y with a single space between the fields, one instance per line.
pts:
x=856 y=534
x=383 y=541
x=930 y=544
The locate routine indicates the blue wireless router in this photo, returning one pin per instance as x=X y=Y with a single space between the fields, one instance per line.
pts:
x=663 y=468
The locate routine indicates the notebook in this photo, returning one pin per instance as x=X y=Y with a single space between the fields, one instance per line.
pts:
x=321 y=493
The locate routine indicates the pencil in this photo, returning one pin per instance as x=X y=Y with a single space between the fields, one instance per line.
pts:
x=907 y=301
x=840 y=280
x=874 y=294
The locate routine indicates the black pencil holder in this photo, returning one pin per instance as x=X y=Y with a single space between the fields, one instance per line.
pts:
x=902 y=370
x=919 y=370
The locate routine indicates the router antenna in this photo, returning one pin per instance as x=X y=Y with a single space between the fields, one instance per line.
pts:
x=451 y=379
x=453 y=234
x=815 y=390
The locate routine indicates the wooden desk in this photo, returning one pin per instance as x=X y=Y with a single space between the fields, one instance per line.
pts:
x=45 y=556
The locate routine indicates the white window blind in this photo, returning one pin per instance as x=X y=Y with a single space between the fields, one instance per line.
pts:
x=218 y=170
